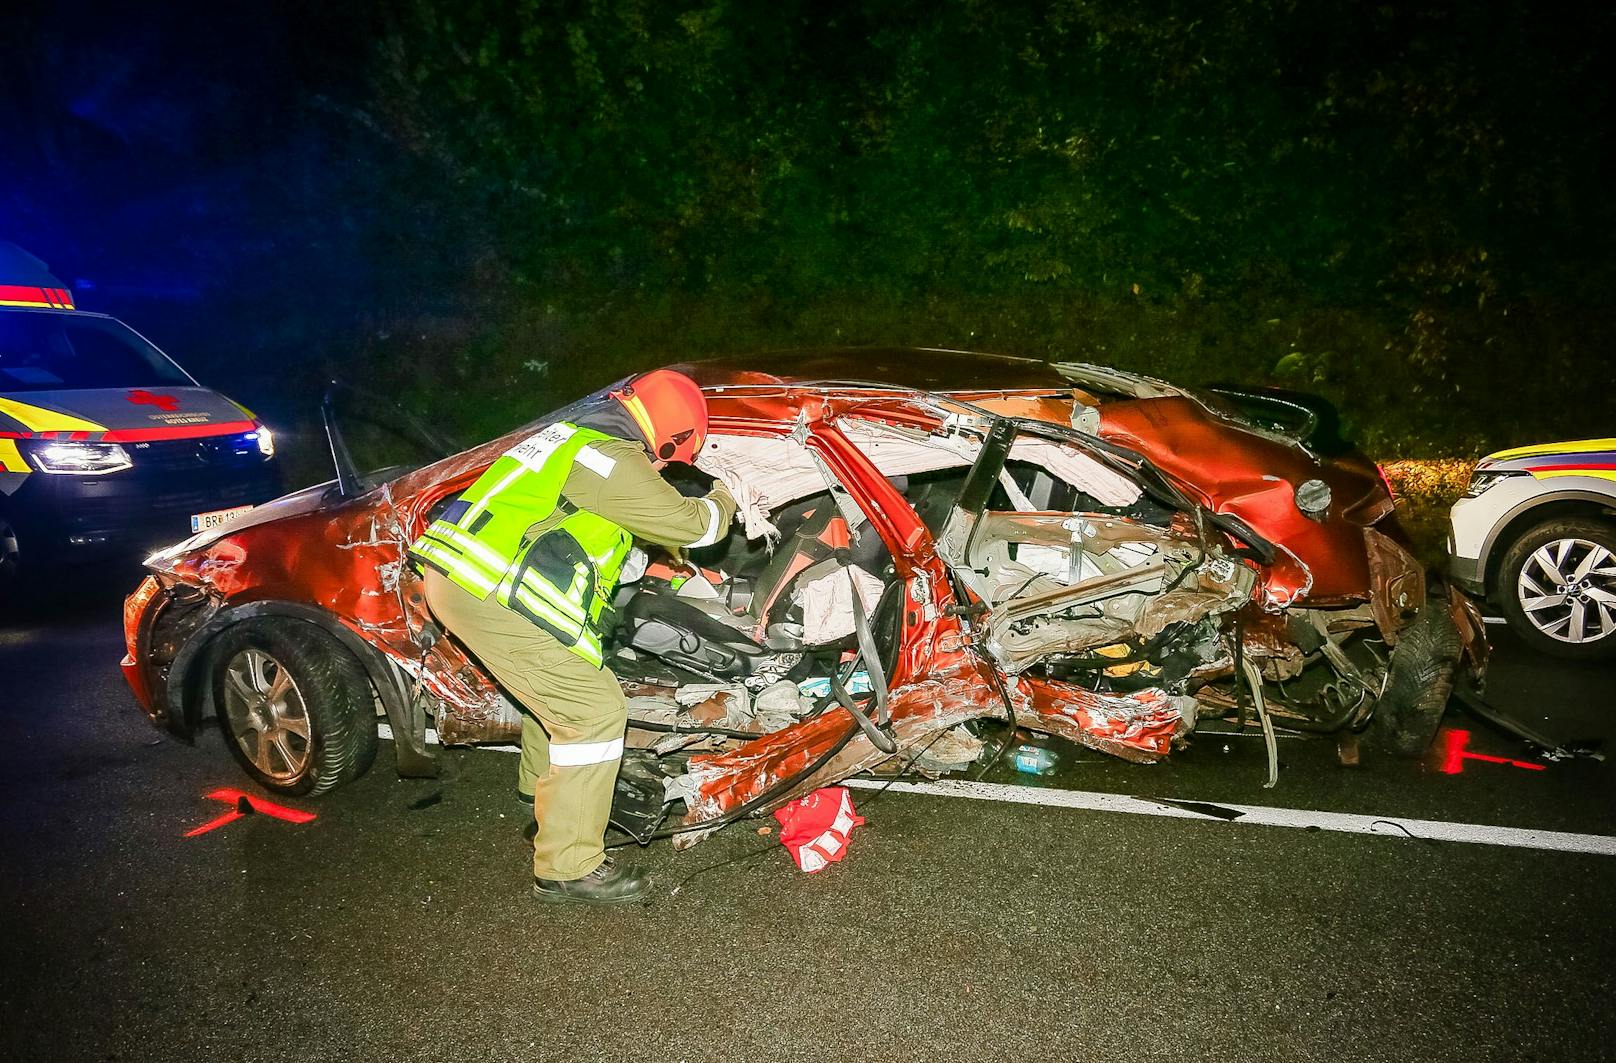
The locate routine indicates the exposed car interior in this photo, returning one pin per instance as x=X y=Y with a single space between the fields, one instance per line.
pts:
x=777 y=604
x=755 y=611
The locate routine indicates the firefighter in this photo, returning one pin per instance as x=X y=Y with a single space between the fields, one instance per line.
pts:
x=521 y=569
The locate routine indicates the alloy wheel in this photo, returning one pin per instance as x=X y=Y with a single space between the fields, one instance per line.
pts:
x=266 y=715
x=1567 y=589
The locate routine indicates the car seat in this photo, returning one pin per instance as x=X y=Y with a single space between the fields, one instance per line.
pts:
x=749 y=625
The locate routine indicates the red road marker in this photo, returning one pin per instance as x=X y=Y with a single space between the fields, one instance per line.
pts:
x=1454 y=755
x=232 y=796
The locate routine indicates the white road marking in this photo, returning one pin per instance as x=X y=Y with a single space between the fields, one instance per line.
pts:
x=1493 y=620
x=1261 y=815
x=1184 y=808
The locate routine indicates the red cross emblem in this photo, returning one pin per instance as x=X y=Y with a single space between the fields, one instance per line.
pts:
x=142 y=397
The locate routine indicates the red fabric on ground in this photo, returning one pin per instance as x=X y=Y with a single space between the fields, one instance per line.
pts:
x=815 y=829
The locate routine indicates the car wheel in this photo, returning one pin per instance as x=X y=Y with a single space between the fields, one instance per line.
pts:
x=295 y=706
x=1419 y=681
x=1557 y=586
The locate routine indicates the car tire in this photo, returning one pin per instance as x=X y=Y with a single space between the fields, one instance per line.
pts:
x=1560 y=548
x=1419 y=682
x=294 y=705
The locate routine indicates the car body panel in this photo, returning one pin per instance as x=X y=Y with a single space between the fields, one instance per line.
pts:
x=1578 y=457
x=1234 y=469
x=1254 y=478
x=345 y=557
x=1576 y=472
x=121 y=415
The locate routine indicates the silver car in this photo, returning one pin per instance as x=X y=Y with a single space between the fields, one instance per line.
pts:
x=1535 y=534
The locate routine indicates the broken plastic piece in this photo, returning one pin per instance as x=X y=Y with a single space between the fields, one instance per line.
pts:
x=779 y=705
x=815 y=829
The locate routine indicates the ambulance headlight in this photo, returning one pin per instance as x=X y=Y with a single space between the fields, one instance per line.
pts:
x=266 y=441
x=83 y=459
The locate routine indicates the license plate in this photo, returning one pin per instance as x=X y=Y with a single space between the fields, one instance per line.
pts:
x=204 y=521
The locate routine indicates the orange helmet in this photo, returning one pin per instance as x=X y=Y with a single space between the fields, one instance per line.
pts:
x=671 y=410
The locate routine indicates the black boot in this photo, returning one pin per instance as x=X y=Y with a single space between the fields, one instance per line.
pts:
x=607 y=884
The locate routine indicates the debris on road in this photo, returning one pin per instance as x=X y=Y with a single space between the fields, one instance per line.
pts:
x=1034 y=760
x=816 y=829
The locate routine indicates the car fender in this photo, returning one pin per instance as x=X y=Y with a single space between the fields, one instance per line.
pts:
x=1508 y=527
x=189 y=696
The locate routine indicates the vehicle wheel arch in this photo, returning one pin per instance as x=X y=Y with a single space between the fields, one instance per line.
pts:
x=191 y=697
x=1539 y=511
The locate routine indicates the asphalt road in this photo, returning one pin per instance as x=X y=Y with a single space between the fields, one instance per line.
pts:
x=398 y=924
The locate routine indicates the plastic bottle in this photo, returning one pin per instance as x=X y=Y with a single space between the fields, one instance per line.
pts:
x=1035 y=760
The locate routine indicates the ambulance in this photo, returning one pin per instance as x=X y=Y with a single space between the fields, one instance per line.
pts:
x=106 y=445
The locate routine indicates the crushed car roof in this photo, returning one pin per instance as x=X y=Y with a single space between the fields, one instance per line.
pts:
x=908 y=368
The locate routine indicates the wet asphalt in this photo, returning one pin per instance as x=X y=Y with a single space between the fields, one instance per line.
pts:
x=398 y=924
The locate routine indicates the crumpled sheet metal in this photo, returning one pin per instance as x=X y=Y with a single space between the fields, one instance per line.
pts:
x=919 y=710
x=1396 y=584
x=1138 y=727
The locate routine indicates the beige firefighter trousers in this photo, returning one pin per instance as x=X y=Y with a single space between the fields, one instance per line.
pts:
x=572 y=726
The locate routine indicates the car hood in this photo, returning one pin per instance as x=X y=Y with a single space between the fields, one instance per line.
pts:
x=295 y=504
x=121 y=415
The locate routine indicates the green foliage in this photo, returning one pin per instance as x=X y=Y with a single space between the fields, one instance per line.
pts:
x=1400 y=207
x=1426 y=490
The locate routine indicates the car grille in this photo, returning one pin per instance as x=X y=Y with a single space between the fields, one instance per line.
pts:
x=146 y=509
x=195 y=455
x=163 y=499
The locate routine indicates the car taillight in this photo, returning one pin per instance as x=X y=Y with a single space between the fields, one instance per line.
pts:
x=1385 y=481
x=134 y=607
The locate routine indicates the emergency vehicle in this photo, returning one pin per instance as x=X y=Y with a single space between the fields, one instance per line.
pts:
x=106 y=445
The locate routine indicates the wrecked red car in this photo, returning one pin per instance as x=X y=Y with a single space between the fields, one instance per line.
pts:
x=925 y=539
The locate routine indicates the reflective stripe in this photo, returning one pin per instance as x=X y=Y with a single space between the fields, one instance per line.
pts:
x=642 y=417
x=456 y=567
x=578 y=638
x=596 y=462
x=451 y=543
x=588 y=647
x=811 y=860
x=11 y=459
x=540 y=607
x=482 y=503
x=558 y=598
x=485 y=553
x=43 y=419
x=453 y=564
x=714 y=516
x=580 y=754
